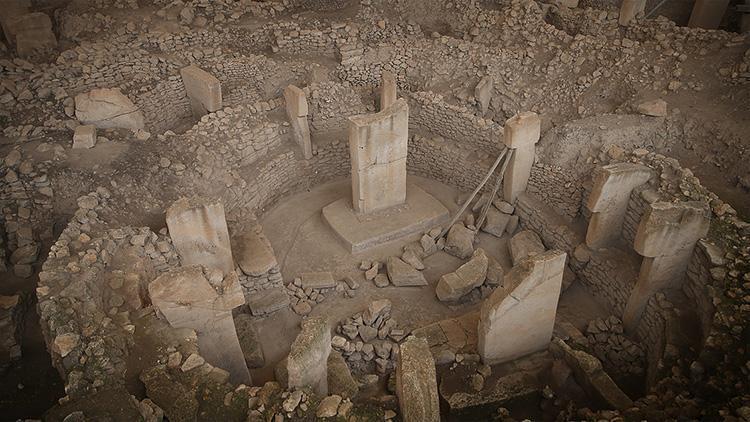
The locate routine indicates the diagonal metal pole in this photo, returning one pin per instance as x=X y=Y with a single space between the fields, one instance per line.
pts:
x=496 y=188
x=473 y=194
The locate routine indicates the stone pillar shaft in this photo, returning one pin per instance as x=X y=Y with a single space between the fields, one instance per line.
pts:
x=203 y=90
x=297 y=110
x=200 y=234
x=388 y=90
x=521 y=133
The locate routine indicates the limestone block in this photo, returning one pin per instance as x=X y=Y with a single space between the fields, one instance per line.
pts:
x=255 y=255
x=496 y=222
x=630 y=9
x=460 y=241
x=522 y=130
x=317 y=280
x=307 y=364
x=388 y=90
x=11 y=9
x=203 y=90
x=455 y=285
x=84 y=137
x=416 y=382
x=518 y=172
x=668 y=227
x=187 y=299
x=524 y=244
x=483 y=93
x=33 y=32
x=199 y=232
x=589 y=373
x=296 y=101
x=518 y=318
x=609 y=198
x=108 y=108
x=378 y=150
x=301 y=134
x=402 y=274
x=654 y=108
x=36 y=22
x=708 y=14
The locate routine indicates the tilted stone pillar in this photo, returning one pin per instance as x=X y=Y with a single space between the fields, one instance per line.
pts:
x=203 y=90
x=199 y=232
x=630 y=9
x=416 y=382
x=608 y=201
x=518 y=318
x=297 y=110
x=307 y=364
x=521 y=133
x=708 y=14
x=378 y=148
x=187 y=299
x=666 y=237
x=388 y=90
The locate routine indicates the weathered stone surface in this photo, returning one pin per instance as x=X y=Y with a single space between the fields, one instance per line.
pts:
x=655 y=108
x=340 y=379
x=378 y=149
x=178 y=402
x=483 y=93
x=307 y=364
x=267 y=301
x=521 y=133
x=609 y=198
x=33 y=33
x=203 y=90
x=518 y=318
x=416 y=382
x=318 y=280
x=255 y=255
x=328 y=407
x=668 y=227
x=188 y=300
x=297 y=110
x=84 y=137
x=108 y=108
x=388 y=90
x=460 y=241
x=524 y=244
x=12 y=9
x=630 y=9
x=199 y=232
x=402 y=274
x=496 y=222
x=590 y=375
x=455 y=285
x=250 y=342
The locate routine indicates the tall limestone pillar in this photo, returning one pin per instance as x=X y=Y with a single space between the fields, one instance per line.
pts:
x=297 y=110
x=199 y=232
x=378 y=148
x=388 y=90
x=666 y=237
x=521 y=133
x=608 y=201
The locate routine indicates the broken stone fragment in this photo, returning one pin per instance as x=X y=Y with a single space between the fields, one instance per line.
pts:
x=402 y=274
x=460 y=241
x=108 y=108
x=255 y=255
x=307 y=364
x=525 y=244
x=84 y=137
x=496 y=222
x=455 y=285
x=317 y=280
x=416 y=382
x=655 y=108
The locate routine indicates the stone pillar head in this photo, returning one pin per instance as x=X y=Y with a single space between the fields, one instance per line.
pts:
x=667 y=228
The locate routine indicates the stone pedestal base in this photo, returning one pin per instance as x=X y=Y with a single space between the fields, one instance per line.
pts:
x=358 y=232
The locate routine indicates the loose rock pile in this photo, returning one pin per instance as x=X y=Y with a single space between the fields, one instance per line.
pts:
x=369 y=336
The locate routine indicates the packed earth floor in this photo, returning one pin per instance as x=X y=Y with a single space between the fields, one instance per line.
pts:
x=374 y=210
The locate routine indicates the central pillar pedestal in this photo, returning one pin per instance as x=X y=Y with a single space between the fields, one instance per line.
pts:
x=359 y=232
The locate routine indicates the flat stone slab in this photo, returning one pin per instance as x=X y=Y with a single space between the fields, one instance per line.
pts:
x=267 y=301
x=359 y=232
x=318 y=280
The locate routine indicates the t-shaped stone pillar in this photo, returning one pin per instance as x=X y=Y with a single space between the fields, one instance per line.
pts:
x=203 y=90
x=189 y=299
x=518 y=318
x=388 y=90
x=297 y=110
x=666 y=237
x=608 y=201
x=378 y=148
x=521 y=133
x=199 y=232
